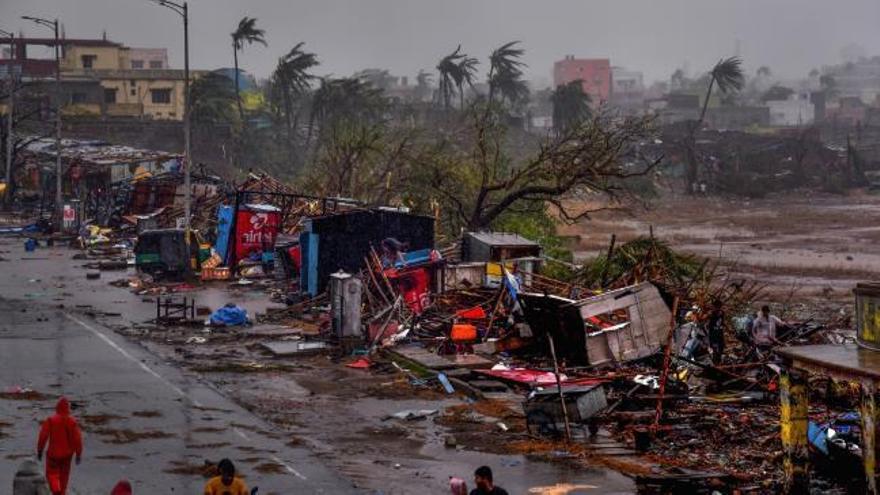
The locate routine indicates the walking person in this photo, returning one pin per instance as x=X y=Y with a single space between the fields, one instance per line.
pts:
x=764 y=330
x=485 y=483
x=64 y=438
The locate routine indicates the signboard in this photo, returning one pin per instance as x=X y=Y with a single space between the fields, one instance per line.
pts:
x=69 y=214
x=255 y=230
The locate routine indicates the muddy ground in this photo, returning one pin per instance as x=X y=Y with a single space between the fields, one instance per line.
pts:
x=807 y=247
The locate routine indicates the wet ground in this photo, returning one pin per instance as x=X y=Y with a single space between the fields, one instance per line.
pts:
x=815 y=245
x=307 y=425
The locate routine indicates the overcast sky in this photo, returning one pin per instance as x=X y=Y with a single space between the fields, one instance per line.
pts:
x=654 y=36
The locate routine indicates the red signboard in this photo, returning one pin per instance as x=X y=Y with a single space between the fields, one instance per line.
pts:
x=255 y=230
x=414 y=284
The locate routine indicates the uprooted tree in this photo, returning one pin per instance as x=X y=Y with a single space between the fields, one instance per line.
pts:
x=490 y=169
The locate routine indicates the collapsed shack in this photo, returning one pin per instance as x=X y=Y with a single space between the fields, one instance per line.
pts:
x=608 y=329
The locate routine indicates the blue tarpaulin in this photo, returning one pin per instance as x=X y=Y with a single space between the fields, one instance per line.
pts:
x=224 y=223
x=230 y=316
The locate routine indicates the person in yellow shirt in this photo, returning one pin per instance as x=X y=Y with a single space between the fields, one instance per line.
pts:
x=227 y=483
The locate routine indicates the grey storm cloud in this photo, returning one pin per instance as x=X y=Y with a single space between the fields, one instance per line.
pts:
x=404 y=36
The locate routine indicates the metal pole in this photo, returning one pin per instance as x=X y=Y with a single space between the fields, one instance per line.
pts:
x=187 y=160
x=9 y=141
x=59 y=207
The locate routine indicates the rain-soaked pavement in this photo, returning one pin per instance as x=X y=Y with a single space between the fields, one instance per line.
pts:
x=154 y=424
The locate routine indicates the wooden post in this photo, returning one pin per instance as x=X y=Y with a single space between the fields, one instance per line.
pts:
x=667 y=358
x=559 y=388
x=794 y=405
x=868 y=414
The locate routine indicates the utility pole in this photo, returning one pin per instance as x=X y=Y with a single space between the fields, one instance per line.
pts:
x=10 y=142
x=183 y=11
x=59 y=206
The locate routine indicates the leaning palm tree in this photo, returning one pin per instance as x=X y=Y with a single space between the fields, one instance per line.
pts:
x=247 y=32
x=571 y=105
x=727 y=74
x=467 y=71
x=292 y=79
x=505 y=73
x=450 y=75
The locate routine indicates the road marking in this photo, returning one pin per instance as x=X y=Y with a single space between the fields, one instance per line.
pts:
x=131 y=358
x=173 y=387
x=288 y=467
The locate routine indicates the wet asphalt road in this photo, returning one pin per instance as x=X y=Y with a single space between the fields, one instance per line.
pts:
x=56 y=351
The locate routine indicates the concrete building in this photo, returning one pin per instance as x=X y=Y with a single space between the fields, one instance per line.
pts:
x=148 y=58
x=797 y=110
x=594 y=74
x=100 y=77
x=859 y=79
x=627 y=89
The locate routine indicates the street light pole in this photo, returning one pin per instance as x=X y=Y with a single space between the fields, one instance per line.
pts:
x=183 y=10
x=59 y=207
x=9 y=114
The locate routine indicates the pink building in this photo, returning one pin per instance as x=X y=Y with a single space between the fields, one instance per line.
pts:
x=594 y=72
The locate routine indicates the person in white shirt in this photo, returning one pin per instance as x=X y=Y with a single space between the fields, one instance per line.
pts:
x=764 y=328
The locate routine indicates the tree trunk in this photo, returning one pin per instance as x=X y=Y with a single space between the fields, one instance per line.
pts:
x=692 y=166
x=237 y=88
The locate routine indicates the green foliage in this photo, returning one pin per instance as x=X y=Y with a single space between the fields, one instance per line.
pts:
x=212 y=100
x=247 y=32
x=642 y=259
x=777 y=93
x=571 y=105
x=728 y=74
x=506 y=74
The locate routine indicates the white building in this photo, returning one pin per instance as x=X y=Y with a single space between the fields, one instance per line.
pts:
x=627 y=88
x=797 y=110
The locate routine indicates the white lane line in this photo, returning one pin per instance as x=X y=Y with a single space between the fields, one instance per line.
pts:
x=241 y=434
x=288 y=467
x=131 y=358
x=173 y=387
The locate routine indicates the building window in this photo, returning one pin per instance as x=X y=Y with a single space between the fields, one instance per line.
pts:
x=137 y=64
x=109 y=95
x=134 y=91
x=78 y=98
x=155 y=64
x=88 y=61
x=161 y=96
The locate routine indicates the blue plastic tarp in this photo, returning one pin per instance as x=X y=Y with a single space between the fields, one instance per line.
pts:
x=224 y=223
x=230 y=316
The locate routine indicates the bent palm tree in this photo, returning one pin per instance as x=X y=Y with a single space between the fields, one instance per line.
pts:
x=247 y=32
x=450 y=75
x=505 y=73
x=292 y=79
x=727 y=74
x=467 y=71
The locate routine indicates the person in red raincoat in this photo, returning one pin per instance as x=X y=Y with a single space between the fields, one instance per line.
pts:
x=63 y=435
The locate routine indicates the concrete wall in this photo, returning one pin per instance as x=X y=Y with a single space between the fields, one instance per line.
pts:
x=595 y=74
x=148 y=58
x=107 y=57
x=137 y=95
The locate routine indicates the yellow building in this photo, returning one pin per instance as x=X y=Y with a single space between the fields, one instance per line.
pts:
x=127 y=92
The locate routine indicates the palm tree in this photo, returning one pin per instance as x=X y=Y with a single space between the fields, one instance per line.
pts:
x=347 y=98
x=727 y=74
x=467 y=71
x=505 y=73
x=571 y=105
x=247 y=32
x=450 y=75
x=292 y=79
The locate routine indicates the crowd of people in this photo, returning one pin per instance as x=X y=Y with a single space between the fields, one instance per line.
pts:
x=60 y=440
